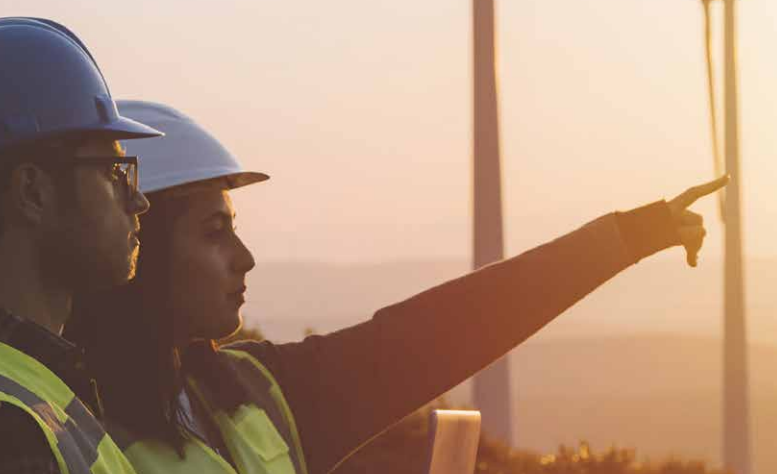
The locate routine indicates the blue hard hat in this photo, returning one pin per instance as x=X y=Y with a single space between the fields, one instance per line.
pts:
x=52 y=88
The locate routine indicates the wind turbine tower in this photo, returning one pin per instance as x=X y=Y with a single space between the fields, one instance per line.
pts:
x=491 y=386
x=736 y=430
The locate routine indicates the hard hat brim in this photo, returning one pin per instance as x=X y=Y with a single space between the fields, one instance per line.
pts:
x=124 y=128
x=238 y=180
x=120 y=129
x=231 y=179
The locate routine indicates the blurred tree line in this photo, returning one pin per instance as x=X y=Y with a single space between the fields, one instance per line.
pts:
x=404 y=449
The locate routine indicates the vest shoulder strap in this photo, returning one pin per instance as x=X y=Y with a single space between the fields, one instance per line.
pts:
x=265 y=390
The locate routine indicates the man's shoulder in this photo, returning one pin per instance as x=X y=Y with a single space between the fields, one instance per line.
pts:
x=25 y=449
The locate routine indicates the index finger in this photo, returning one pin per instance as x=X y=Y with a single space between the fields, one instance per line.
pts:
x=695 y=193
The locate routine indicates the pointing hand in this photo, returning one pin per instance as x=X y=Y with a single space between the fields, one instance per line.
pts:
x=690 y=226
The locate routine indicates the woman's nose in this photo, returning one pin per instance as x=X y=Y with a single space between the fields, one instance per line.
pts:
x=244 y=260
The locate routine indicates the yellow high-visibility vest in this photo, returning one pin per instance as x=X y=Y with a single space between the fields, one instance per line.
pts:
x=77 y=440
x=261 y=434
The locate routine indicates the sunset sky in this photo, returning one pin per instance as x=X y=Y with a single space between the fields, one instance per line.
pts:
x=361 y=111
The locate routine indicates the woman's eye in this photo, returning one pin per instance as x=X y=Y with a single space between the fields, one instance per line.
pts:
x=219 y=228
x=221 y=231
x=216 y=230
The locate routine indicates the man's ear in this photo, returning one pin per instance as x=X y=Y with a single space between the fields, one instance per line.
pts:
x=30 y=191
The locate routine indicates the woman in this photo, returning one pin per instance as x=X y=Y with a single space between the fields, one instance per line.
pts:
x=179 y=403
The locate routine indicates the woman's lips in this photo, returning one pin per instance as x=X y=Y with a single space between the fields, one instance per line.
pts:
x=239 y=295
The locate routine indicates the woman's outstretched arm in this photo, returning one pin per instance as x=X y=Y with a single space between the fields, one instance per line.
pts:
x=346 y=387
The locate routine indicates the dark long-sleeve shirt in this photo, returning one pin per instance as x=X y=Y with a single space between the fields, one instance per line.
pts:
x=346 y=387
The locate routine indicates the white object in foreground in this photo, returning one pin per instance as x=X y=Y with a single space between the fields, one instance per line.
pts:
x=453 y=441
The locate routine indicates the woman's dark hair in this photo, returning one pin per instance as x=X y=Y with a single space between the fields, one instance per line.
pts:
x=129 y=333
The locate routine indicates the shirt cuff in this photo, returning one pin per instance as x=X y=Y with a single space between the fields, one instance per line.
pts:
x=648 y=229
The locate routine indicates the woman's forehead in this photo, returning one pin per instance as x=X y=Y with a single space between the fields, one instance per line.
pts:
x=207 y=203
x=197 y=187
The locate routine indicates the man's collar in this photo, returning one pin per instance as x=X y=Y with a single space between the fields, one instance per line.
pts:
x=59 y=355
x=37 y=342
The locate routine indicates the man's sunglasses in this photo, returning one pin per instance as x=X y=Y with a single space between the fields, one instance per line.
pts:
x=122 y=170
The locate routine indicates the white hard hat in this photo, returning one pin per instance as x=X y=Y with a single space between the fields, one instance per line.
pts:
x=186 y=154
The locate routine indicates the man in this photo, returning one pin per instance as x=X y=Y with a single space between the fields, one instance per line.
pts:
x=68 y=221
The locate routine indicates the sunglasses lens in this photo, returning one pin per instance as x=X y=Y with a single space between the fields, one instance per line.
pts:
x=130 y=171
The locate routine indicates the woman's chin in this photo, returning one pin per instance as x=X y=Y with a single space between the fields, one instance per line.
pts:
x=228 y=327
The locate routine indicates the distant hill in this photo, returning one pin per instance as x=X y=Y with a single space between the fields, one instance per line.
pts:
x=286 y=297
x=657 y=296
x=660 y=394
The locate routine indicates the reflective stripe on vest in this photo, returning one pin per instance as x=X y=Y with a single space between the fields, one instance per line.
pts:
x=78 y=442
x=261 y=435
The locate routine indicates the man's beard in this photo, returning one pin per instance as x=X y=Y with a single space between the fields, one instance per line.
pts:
x=133 y=263
x=71 y=258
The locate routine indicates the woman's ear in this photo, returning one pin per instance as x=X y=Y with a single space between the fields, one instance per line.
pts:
x=30 y=191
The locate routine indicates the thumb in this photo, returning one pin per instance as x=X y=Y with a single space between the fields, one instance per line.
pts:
x=692 y=238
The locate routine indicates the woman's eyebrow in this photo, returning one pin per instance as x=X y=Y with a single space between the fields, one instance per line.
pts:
x=220 y=215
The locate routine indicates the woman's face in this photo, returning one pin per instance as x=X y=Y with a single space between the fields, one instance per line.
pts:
x=209 y=265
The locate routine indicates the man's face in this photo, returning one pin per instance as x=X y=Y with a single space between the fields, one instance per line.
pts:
x=92 y=239
x=209 y=265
